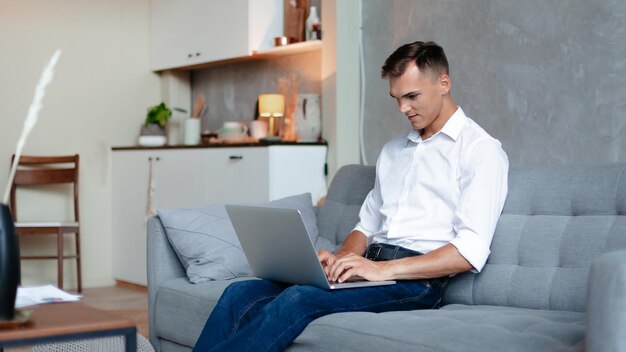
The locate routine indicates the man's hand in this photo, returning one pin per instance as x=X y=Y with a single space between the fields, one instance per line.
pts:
x=349 y=261
x=340 y=268
x=355 y=265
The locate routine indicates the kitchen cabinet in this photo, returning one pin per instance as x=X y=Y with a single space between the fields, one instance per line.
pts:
x=180 y=179
x=192 y=32
x=195 y=177
x=241 y=175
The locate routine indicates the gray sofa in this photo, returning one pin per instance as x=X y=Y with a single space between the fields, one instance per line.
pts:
x=555 y=280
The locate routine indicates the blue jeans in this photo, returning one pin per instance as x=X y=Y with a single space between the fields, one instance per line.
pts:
x=263 y=315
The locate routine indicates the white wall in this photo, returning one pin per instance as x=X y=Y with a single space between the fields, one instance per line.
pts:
x=98 y=99
x=341 y=82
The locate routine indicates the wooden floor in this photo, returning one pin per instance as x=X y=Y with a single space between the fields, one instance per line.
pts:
x=129 y=302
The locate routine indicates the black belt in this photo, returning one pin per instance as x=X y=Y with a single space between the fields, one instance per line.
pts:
x=382 y=251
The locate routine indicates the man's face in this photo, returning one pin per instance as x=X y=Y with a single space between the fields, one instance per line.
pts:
x=420 y=97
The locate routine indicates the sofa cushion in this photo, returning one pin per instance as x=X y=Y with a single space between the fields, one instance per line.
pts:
x=182 y=308
x=452 y=328
x=206 y=244
x=555 y=222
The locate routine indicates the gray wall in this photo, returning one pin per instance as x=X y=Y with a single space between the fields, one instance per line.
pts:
x=545 y=77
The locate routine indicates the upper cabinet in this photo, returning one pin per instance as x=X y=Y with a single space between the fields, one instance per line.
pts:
x=187 y=33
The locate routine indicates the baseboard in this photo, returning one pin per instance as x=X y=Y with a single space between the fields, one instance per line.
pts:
x=131 y=286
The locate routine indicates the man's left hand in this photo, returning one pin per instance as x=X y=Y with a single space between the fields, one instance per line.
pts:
x=355 y=265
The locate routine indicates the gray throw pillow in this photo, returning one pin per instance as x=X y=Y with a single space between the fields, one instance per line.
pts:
x=206 y=244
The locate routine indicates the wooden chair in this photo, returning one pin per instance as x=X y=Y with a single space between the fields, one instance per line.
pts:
x=35 y=171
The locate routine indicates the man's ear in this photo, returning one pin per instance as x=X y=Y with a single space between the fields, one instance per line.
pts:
x=445 y=84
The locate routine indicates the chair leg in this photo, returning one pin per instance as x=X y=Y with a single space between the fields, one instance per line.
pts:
x=78 y=275
x=60 y=259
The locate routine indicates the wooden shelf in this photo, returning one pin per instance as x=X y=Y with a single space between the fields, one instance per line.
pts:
x=297 y=48
x=220 y=145
x=291 y=49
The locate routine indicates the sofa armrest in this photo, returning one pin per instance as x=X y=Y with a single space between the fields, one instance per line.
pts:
x=606 y=303
x=163 y=265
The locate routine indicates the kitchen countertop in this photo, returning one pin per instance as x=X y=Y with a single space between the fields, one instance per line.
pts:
x=218 y=145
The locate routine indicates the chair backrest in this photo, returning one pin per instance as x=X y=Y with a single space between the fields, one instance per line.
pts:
x=45 y=170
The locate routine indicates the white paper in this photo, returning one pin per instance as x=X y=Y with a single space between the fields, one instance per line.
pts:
x=29 y=296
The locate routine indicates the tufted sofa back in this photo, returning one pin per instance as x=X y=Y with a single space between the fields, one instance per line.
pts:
x=555 y=221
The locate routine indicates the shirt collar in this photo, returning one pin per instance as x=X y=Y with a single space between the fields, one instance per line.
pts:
x=455 y=124
x=452 y=128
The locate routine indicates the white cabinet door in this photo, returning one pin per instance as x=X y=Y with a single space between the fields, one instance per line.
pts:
x=182 y=179
x=179 y=179
x=168 y=32
x=190 y=32
x=296 y=169
x=129 y=213
x=239 y=175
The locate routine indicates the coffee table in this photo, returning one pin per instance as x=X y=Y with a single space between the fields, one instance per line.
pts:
x=55 y=322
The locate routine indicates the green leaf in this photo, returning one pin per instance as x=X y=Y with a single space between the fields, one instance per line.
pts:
x=158 y=114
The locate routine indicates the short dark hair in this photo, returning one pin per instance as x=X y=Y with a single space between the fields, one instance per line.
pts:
x=428 y=56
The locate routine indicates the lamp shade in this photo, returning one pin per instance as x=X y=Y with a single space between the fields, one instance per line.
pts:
x=271 y=105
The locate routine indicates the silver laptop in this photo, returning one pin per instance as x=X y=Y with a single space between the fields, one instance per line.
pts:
x=278 y=247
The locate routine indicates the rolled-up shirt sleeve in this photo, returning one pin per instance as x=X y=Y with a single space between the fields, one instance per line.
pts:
x=483 y=186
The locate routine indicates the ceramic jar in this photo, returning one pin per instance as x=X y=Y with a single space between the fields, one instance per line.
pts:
x=192 y=131
x=308 y=117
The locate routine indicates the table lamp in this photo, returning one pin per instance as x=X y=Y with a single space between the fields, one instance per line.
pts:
x=272 y=106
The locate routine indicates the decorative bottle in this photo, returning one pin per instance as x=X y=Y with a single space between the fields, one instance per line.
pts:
x=312 y=25
x=9 y=264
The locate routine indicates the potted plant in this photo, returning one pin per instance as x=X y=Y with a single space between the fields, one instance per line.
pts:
x=156 y=119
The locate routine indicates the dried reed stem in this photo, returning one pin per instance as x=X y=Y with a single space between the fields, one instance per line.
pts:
x=31 y=118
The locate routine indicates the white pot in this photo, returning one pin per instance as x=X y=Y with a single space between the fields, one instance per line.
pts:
x=308 y=117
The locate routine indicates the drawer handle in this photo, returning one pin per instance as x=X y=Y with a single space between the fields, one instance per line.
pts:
x=235 y=157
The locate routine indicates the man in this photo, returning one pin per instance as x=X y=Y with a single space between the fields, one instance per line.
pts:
x=432 y=213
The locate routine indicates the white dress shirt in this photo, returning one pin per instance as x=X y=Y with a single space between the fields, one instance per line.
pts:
x=449 y=188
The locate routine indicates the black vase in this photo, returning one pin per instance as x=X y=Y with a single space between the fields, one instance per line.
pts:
x=9 y=264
